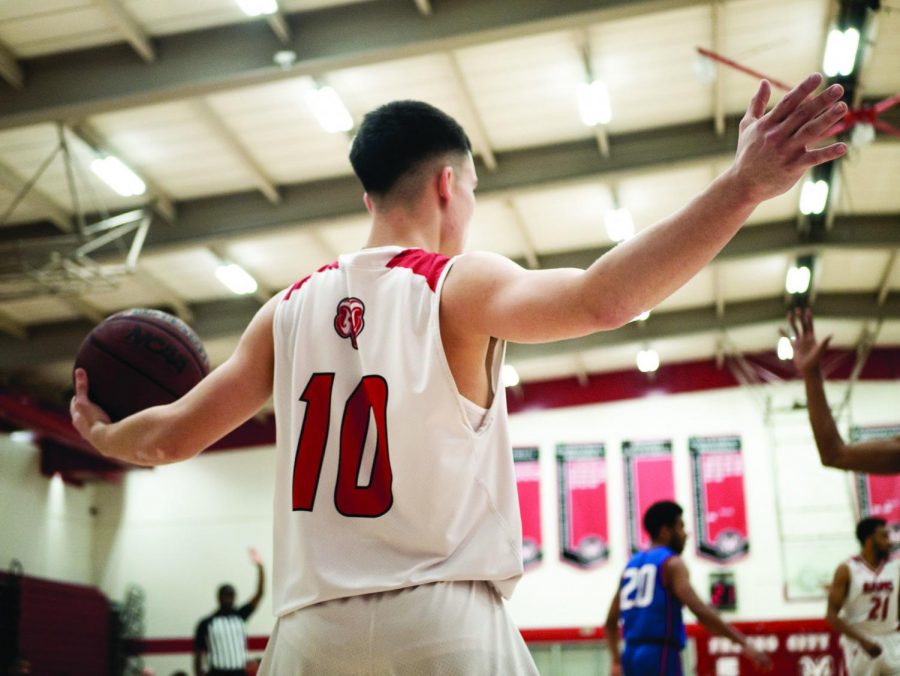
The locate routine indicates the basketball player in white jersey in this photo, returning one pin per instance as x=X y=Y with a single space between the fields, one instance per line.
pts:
x=863 y=604
x=397 y=529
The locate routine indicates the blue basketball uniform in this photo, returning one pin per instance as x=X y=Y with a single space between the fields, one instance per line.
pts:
x=654 y=629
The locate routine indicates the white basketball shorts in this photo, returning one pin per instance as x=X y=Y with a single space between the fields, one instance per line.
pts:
x=438 y=629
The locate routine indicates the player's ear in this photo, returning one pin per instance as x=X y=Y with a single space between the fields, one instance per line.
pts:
x=370 y=206
x=445 y=183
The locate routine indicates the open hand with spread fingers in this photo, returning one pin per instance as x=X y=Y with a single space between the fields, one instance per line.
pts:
x=776 y=148
x=808 y=352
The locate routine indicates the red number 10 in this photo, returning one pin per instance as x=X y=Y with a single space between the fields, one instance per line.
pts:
x=350 y=499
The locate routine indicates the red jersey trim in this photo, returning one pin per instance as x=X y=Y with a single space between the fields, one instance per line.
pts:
x=429 y=265
x=296 y=286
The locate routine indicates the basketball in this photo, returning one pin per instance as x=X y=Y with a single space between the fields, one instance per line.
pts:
x=140 y=358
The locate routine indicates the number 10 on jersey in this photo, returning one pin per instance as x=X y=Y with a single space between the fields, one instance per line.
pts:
x=368 y=400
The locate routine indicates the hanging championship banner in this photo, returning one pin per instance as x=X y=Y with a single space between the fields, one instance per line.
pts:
x=528 y=484
x=648 y=479
x=581 y=481
x=720 y=513
x=879 y=495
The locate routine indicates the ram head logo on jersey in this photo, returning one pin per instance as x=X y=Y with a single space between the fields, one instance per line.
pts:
x=349 y=321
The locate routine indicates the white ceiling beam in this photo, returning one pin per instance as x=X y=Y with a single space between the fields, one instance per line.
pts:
x=36 y=197
x=478 y=130
x=91 y=136
x=130 y=29
x=718 y=95
x=424 y=7
x=263 y=182
x=10 y=70
x=530 y=252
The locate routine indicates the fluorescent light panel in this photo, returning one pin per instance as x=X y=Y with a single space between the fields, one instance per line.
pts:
x=258 y=7
x=647 y=361
x=619 y=224
x=785 y=349
x=813 y=197
x=797 y=280
x=117 y=176
x=840 y=52
x=593 y=103
x=237 y=279
x=329 y=110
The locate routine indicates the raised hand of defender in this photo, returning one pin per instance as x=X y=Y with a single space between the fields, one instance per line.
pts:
x=808 y=352
x=255 y=556
x=774 y=148
x=86 y=415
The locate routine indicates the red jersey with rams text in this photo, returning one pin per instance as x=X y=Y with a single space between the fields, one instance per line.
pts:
x=382 y=481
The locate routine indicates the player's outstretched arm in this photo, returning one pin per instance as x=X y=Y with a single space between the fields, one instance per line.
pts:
x=837 y=595
x=879 y=456
x=612 y=636
x=225 y=399
x=260 y=579
x=494 y=297
x=676 y=578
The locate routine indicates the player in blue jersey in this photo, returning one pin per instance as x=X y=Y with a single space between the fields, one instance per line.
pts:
x=654 y=587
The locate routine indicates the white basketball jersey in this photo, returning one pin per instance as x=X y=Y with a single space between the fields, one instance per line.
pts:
x=872 y=598
x=382 y=482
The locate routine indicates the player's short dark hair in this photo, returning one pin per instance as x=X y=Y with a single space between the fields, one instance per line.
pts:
x=225 y=589
x=659 y=514
x=396 y=137
x=867 y=527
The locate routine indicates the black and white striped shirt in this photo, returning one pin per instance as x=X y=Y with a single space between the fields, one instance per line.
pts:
x=223 y=636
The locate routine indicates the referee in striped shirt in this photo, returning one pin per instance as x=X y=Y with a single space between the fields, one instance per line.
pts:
x=222 y=636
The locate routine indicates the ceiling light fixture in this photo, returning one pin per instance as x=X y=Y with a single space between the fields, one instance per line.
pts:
x=258 y=7
x=647 y=361
x=329 y=110
x=238 y=280
x=593 y=103
x=840 y=52
x=619 y=224
x=813 y=197
x=118 y=176
x=797 y=280
x=785 y=350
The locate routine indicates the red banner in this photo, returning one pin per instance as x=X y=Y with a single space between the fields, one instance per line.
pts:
x=583 y=528
x=528 y=483
x=796 y=648
x=648 y=479
x=720 y=513
x=879 y=495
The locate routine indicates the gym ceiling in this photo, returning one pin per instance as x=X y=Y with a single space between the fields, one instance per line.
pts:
x=209 y=108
